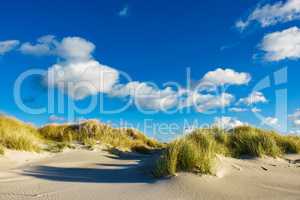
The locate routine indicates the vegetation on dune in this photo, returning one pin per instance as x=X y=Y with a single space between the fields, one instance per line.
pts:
x=253 y=142
x=196 y=151
x=193 y=153
x=1 y=150
x=287 y=143
x=17 y=135
x=92 y=132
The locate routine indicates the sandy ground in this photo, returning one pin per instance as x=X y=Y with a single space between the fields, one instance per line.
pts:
x=82 y=174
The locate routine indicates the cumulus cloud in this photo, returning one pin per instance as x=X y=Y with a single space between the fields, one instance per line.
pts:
x=282 y=45
x=75 y=49
x=236 y=109
x=255 y=110
x=295 y=118
x=212 y=102
x=71 y=49
x=45 y=45
x=271 y=14
x=271 y=121
x=8 y=45
x=147 y=95
x=227 y=123
x=220 y=77
x=82 y=79
x=206 y=102
x=77 y=73
x=254 y=98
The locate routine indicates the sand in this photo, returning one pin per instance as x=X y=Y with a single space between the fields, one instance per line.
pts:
x=82 y=174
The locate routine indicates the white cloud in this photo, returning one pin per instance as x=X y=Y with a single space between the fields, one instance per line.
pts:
x=241 y=25
x=124 y=11
x=296 y=122
x=53 y=118
x=221 y=77
x=206 y=102
x=282 y=45
x=72 y=49
x=255 y=110
x=271 y=14
x=254 y=98
x=82 y=79
x=152 y=97
x=271 y=121
x=295 y=132
x=295 y=117
x=8 y=45
x=45 y=46
x=77 y=74
x=213 y=102
x=75 y=49
x=147 y=96
x=236 y=109
x=227 y=123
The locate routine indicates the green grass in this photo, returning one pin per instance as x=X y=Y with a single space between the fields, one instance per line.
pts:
x=57 y=147
x=193 y=153
x=287 y=143
x=57 y=132
x=196 y=151
x=1 y=150
x=92 y=132
x=17 y=135
x=253 y=142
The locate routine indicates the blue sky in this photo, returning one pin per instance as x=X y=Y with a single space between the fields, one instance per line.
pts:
x=157 y=42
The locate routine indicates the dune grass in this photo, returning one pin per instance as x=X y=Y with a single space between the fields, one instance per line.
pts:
x=287 y=143
x=1 y=150
x=254 y=142
x=17 y=135
x=196 y=151
x=93 y=132
x=193 y=153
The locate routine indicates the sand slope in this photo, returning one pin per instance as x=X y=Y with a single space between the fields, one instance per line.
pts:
x=82 y=174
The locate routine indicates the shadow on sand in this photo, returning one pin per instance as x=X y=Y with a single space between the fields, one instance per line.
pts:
x=138 y=172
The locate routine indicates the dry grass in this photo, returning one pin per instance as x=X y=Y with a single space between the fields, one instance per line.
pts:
x=17 y=135
x=251 y=141
x=1 y=150
x=195 y=152
x=92 y=132
x=287 y=143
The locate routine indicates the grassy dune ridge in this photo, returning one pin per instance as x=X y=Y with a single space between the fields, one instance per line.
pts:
x=18 y=135
x=196 y=152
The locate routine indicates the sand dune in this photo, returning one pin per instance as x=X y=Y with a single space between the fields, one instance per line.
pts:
x=82 y=174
